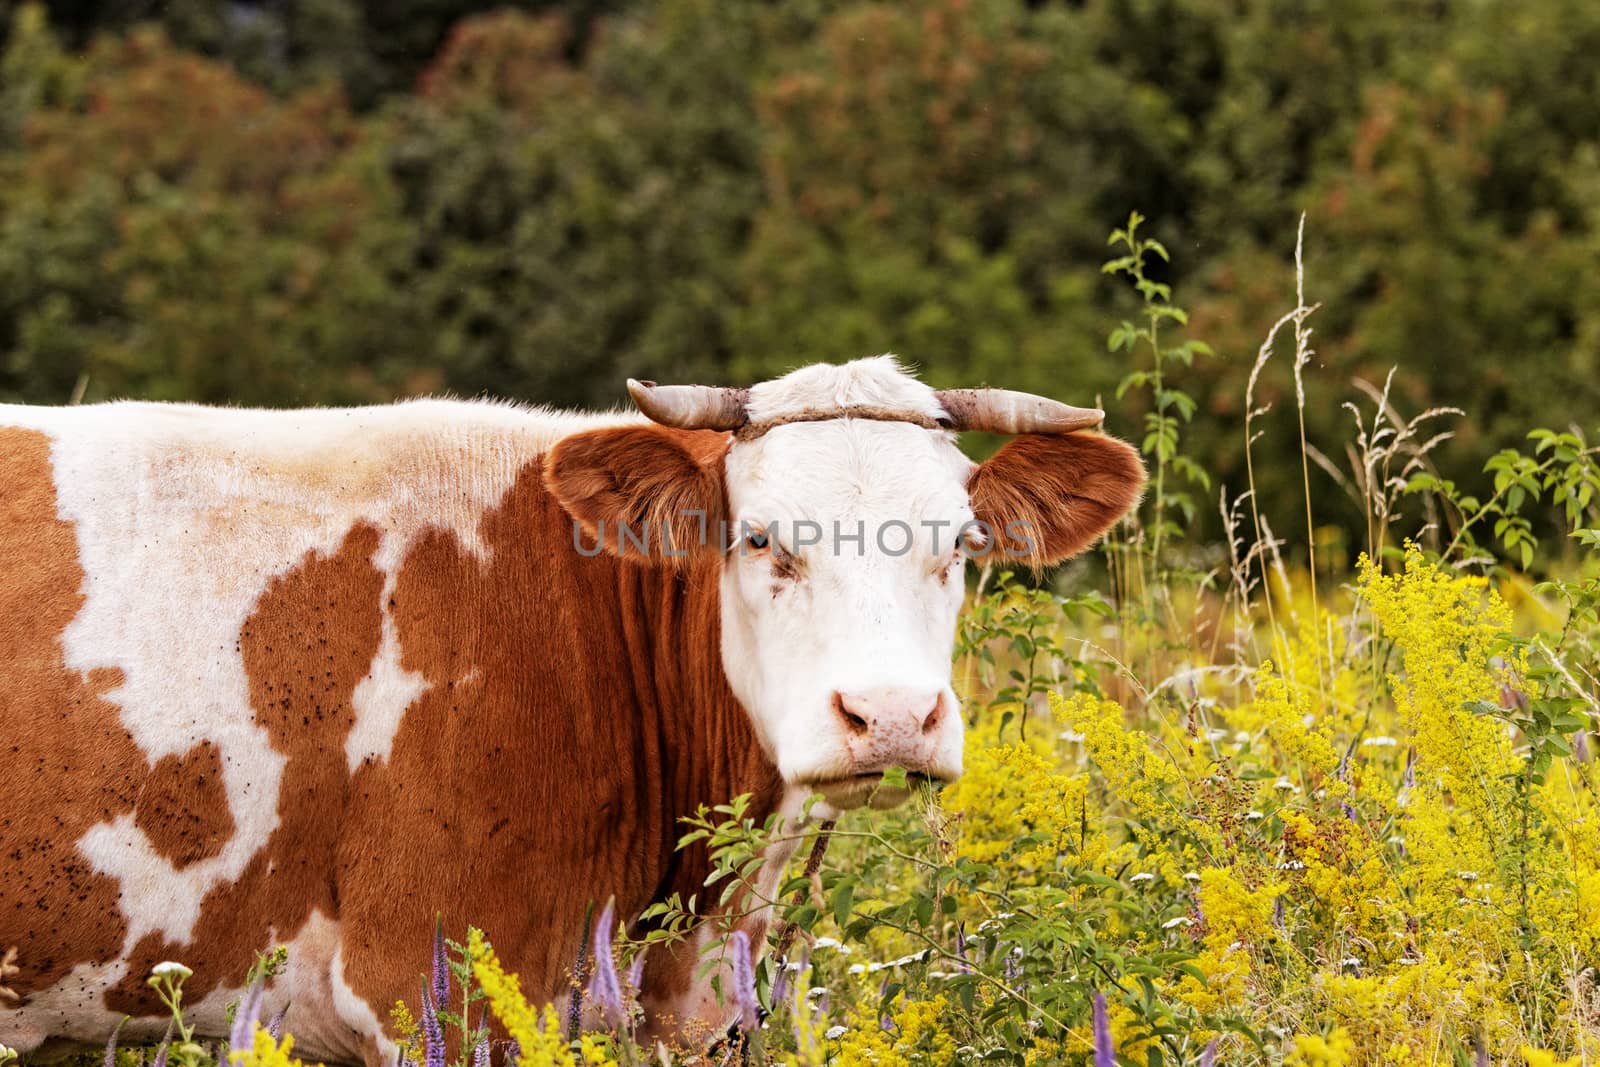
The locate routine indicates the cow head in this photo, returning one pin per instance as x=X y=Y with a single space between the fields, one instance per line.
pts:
x=841 y=514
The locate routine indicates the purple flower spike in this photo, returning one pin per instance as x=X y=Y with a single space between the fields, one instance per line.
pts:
x=275 y=1024
x=1104 y=1056
x=246 y=1015
x=575 y=1002
x=111 y=1045
x=513 y=1052
x=604 y=989
x=1580 y=746
x=441 y=965
x=744 y=982
x=432 y=1031
x=1208 y=1058
x=1480 y=1058
x=161 y=1053
x=780 y=984
x=636 y=974
x=480 y=1051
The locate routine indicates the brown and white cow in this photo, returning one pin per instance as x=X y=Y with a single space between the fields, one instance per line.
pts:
x=314 y=677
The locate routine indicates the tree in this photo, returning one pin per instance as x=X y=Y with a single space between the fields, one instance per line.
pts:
x=175 y=232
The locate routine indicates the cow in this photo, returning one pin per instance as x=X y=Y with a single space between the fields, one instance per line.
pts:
x=317 y=677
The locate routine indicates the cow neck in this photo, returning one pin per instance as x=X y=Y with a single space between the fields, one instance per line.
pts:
x=708 y=748
x=708 y=755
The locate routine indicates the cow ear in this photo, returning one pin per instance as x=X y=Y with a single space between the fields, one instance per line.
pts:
x=1045 y=497
x=645 y=491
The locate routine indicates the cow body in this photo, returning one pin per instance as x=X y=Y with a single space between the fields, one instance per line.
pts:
x=312 y=678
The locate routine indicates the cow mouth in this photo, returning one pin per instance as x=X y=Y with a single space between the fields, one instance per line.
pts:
x=869 y=790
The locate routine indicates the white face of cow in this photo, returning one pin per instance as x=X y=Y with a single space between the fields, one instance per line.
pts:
x=839 y=602
x=850 y=515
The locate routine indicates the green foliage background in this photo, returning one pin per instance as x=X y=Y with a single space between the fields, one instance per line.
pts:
x=330 y=201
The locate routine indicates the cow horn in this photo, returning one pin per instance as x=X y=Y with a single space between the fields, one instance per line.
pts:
x=1007 y=411
x=691 y=407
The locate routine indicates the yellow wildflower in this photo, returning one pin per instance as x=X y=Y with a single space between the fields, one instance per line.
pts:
x=538 y=1035
x=1234 y=913
x=405 y=1026
x=1310 y=1050
x=265 y=1051
x=1447 y=627
x=1017 y=792
x=1540 y=1058
x=916 y=1037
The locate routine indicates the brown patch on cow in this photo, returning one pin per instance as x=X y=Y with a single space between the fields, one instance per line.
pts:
x=70 y=763
x=576 y=709
x=310 y=639
x=183 y=807
x=1045 y=497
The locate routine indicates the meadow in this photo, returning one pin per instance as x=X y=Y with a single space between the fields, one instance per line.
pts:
x=1295 y=769
x=1233 y=803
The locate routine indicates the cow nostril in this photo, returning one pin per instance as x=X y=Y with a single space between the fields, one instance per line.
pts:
x=935 y=715
x=857 y=724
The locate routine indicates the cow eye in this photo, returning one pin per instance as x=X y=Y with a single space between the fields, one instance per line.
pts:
x=756 y=541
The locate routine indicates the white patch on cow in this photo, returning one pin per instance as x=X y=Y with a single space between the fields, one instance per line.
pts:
x=120 y=849
x=358 y=1016
x=72 y=1012
x=382 y=697
x=869 y=621
x=327 y=1021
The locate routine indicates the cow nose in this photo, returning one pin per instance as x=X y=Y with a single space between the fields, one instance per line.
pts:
x=891 y=713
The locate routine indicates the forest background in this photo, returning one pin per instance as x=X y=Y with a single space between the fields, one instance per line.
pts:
x=344 y=201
